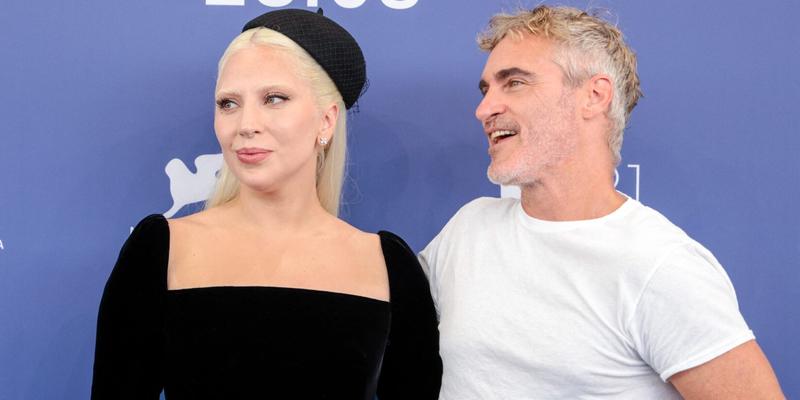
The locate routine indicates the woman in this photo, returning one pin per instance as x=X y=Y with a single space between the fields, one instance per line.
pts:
x=266 y=293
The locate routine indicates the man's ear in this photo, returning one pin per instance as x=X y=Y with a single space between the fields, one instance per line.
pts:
x=599 y=91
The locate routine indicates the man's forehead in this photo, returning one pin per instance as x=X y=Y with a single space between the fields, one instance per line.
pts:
x=516 y=53
x=521 y=46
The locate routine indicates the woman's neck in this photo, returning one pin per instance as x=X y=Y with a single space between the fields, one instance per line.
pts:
x=278 y=212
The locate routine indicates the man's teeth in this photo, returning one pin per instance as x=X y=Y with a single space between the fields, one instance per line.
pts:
x=499 y=134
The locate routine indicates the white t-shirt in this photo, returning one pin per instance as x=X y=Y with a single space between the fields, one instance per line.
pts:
x=607 y=308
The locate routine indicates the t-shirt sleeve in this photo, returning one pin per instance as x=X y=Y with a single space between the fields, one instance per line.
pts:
x=687 y=313
x=129 y=342
x=412 y=368
x=433 y=258
x=428 y=260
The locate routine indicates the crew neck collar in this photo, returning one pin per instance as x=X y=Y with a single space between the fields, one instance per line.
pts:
x=559 y=226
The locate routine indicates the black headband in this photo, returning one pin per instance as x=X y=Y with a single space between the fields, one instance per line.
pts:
x=327 y=42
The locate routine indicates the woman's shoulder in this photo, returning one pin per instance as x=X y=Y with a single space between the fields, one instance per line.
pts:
x=353 y=239
x=194 y=230
x=155 y=238
x=402 y=265
x=142 y=260
x=394 y=250
x=192 y=240
x=151 y=232
x=397 y=252
x=389 y=243
x=198 y=220
x=393 y=243
x=150 y=223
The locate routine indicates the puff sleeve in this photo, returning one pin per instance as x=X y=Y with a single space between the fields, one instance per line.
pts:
x=129 y=342
x=412 y=368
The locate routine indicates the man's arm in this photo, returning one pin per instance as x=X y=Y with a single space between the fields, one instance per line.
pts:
x=742 y=373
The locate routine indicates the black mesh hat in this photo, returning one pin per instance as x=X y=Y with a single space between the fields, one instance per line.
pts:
x=327 y=42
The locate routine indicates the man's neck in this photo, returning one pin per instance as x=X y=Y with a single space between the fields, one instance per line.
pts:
x=571 y=198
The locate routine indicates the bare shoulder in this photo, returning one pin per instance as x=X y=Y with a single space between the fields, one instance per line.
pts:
x=190 y=226
x=194 y=221
x=359 y=241
x=189 y=232
x=357 y=258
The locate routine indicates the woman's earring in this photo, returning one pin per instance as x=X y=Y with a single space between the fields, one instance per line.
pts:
x=323 y=141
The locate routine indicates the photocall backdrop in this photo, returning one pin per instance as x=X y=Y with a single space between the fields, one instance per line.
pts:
x=106 y=111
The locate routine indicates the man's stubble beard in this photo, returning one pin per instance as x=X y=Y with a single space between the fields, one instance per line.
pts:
x=541 y=150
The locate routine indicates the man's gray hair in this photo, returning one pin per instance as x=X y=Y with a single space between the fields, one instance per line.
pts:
x=585 y=46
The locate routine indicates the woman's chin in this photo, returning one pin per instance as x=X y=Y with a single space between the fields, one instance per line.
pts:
x=258 y=184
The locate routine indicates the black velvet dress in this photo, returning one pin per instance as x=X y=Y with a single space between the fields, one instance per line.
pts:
x=261 y=342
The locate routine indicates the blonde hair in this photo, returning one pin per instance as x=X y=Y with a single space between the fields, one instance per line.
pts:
x=585 y=46
x=331 y=160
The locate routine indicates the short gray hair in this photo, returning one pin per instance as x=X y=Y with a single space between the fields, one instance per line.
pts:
x=585 y=46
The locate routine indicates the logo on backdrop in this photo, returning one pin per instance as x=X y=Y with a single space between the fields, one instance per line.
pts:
x=393 y=4
x=186 y=187
x=513 y=191
x=1 y=245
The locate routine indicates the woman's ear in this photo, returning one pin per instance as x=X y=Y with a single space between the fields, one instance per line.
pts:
x=330 y=117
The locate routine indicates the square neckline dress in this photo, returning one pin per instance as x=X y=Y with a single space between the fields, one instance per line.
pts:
x=265 y=342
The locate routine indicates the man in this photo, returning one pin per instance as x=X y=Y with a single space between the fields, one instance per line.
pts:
x=576 y=291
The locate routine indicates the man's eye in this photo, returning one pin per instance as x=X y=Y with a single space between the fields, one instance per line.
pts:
x=275 y=99
x=514 y=83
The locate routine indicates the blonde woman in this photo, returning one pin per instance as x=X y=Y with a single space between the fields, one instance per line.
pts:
x=266 y=293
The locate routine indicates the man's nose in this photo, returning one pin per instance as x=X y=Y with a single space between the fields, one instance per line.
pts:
x=491 y=105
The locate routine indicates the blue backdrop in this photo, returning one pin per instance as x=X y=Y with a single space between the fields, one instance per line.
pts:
x=97 y=97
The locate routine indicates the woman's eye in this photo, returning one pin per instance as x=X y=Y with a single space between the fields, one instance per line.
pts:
x=225 y=104
x=275 y=99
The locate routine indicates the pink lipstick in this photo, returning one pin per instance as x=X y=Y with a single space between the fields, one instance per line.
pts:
x=252 y=155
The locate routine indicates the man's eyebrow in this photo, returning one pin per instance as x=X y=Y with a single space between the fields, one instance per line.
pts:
x=504 y=74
